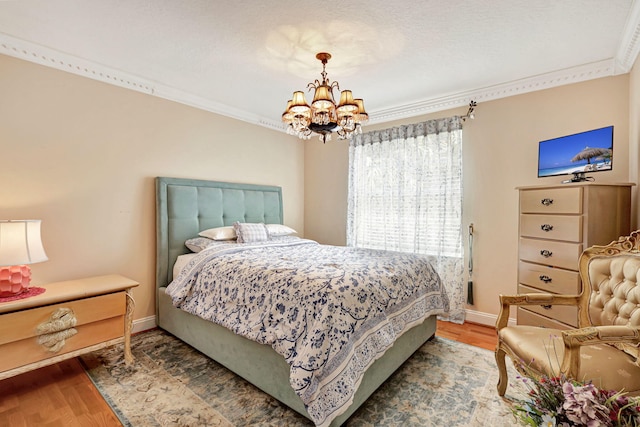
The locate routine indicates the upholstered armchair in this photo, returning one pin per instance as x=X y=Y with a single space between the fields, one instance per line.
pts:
x=604 y=349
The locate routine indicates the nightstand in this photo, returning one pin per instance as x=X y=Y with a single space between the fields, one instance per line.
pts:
x=69 y=319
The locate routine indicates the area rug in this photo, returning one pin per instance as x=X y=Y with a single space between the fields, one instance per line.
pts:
x=445 y=383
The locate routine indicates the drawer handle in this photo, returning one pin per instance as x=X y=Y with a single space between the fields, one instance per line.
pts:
x=546 y=202
x=546 y=253
x=53 y=333
x=546 y=227
x=546 y=307
x=545 y=278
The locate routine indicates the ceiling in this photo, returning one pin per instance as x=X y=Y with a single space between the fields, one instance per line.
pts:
x=244 y=58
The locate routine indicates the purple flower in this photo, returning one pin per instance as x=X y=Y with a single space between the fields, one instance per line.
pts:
x=562 y=402
x=582 y=406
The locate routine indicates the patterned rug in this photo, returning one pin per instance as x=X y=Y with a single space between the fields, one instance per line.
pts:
x=443 y=383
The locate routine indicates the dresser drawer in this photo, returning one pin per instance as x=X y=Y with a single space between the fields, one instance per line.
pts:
x=98 y=319
x=549 y=279
x=552 y=200
x=563 y=313
x=555 y=227
x=547 y=252
x=526 y=317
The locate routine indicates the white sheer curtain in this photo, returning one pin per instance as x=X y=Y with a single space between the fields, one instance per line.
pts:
x=405 y=194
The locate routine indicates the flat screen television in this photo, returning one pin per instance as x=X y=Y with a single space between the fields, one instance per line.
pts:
x=577 y=154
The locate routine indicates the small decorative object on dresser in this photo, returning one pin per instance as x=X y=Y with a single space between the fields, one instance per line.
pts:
x=71 y=318
x=20 y=244
x=557 y=223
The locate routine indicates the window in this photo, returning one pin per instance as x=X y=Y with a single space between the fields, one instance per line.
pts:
x=405 y=191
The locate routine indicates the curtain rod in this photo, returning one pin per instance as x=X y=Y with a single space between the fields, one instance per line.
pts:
x=470 y=115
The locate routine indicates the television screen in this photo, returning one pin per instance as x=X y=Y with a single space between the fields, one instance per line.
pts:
x=577 y=154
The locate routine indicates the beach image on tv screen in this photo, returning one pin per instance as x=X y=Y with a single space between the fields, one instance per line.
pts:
x=590 y=151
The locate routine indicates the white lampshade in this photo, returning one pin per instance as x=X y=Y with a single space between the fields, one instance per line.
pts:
x=20 y=242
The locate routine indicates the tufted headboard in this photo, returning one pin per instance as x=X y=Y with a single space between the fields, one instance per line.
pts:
x=185 y=207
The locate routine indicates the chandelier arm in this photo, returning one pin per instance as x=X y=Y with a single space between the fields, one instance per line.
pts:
x=314 y=85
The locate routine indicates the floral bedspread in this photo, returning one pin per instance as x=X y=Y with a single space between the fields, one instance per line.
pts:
x=331 y=311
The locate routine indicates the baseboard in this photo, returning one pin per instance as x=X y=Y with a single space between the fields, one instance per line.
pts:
x=143 y=324
x=484 y=318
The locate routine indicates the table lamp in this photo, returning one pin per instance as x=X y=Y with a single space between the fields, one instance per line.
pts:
x=20 y=244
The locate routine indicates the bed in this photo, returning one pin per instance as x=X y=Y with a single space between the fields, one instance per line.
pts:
x=184 y=207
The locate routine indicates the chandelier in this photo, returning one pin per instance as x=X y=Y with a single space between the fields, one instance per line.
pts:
x=324 y=115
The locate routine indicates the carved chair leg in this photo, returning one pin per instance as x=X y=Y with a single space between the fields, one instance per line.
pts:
x=502 y=371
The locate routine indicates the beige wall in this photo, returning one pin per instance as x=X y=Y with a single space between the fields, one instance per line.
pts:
x=634 y=139
x=500 y=154
x=82 y=155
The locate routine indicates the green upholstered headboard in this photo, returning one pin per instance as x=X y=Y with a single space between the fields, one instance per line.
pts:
x=185 y=207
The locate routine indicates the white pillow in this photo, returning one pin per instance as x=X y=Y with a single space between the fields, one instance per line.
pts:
x=280 y=230
x=219 y=233
x=248 y=232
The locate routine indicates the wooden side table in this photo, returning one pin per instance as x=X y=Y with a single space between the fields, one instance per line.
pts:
x=69 y=319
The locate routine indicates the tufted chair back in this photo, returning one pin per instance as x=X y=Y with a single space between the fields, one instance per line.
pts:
x=613 y=288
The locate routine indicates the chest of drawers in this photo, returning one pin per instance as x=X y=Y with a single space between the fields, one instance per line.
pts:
x=556 y=224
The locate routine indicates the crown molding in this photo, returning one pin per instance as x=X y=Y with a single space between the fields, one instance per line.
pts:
x=32 y=52
x=186 y=98
x=517 y=87
x=48 y=57
x=55 y=59
x=630 y=42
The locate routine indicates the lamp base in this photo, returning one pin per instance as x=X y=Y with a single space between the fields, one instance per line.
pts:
x=14 y=280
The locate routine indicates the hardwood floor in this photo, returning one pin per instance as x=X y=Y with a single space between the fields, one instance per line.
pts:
x=57 y=395
x=63 y=395
x=469 y=333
